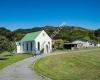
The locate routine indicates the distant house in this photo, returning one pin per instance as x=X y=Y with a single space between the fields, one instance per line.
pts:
x=98 y=45
x=35 y=42
x=92 y=43
x=84 y=43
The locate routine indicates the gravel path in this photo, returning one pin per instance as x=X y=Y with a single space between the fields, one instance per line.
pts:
x=20 y=71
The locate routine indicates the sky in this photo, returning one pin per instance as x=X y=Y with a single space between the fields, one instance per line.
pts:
x=15 y=14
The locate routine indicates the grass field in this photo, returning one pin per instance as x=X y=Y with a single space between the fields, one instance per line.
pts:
x=70 y=66
x=64 y=50
x=7 y=58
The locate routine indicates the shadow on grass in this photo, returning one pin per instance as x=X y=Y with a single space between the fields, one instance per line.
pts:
x=3 y=58
x=9 y=55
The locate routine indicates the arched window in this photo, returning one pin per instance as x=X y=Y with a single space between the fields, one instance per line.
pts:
x=27 y=46
x=38 y=45
x=23 y=45
x=31 y=46
x=47 y=48
x=49 y=44
x=19 y=44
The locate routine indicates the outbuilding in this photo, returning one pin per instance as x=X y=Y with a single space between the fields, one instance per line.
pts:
x=85 y=43
x=70 y=45
x=98 y=45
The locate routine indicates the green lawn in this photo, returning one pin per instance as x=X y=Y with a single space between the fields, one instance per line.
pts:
x=70 y=66
x=64 y=50
x=7 y=58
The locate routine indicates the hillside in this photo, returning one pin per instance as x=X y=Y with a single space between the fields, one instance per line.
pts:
x=68 y=33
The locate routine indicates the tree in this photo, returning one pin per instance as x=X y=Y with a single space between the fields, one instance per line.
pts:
x=11 y=47
x=58 y=43
x=97 y=33
x=6 y=45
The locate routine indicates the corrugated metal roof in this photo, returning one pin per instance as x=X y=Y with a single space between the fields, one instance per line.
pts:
x=30 y=36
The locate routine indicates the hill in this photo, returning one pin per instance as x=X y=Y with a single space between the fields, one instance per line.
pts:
x=68 y=33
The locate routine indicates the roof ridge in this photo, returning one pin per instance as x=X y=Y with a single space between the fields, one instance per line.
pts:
x=30 y=36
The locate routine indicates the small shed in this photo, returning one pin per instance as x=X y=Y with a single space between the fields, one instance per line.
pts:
x=70 y=45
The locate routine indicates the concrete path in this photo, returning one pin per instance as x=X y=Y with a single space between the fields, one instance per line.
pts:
x=20 y=71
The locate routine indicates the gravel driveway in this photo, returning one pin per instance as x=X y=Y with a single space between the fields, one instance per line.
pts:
x=20 y=71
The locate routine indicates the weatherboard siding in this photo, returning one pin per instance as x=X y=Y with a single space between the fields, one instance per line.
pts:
x=29 y=43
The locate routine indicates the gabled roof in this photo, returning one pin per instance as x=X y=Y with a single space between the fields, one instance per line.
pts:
x=30 y=36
